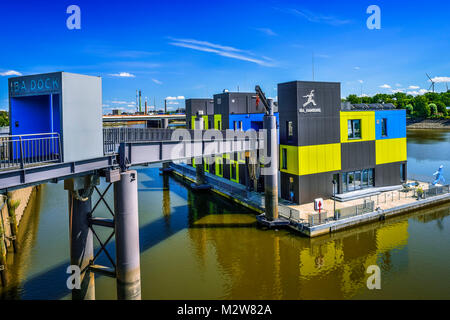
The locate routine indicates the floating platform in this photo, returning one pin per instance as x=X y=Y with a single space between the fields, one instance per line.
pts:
x=201 y=187
x=272 y=224
x=291 y=216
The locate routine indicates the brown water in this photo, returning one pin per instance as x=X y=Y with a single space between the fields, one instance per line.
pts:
x=200 y=246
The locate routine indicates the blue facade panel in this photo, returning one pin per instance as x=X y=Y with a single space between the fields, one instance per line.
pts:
x=249 y=121
x=395 y=124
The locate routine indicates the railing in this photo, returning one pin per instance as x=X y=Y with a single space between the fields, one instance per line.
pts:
x=20 y=151
x=113 y=137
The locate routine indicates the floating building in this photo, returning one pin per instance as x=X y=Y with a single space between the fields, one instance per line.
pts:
x=321 y=139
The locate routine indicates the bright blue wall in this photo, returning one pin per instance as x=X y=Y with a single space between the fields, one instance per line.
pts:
x=247 y=119
x=34 y=115
x=396 y=124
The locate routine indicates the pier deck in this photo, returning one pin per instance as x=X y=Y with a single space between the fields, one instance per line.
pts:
x=303 y=218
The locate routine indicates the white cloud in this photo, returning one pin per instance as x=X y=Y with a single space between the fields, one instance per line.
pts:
x=10 y=73
x=123 y=75
x=385 y=86
x=156 y=81
x=398 y=85
x=361 y=81
x=224 y=51
x=317 y=18
x=397 y=90
x=416 y=93
x=440 y=79
x=175 y=98
x=356 y=68
x=413 y=87
x=267 y=31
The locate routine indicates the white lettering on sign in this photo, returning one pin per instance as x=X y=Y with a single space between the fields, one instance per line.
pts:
x=24 y=86
x=309 y=102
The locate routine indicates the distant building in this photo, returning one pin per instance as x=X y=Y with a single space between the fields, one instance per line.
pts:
x=116 y=112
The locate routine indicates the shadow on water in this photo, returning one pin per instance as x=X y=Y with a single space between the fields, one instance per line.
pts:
x=52 y=283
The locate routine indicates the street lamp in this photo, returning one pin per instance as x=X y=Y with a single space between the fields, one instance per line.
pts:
x=334 y=198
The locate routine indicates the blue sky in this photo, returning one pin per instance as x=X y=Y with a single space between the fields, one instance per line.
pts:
x=198 y=48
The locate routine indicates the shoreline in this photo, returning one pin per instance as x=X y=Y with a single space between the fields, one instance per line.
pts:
x=428 y=124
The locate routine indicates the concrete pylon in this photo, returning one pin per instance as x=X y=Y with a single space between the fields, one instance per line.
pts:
x=271 y=172
x=128 y=270
x=81 y=236
x=165 y=123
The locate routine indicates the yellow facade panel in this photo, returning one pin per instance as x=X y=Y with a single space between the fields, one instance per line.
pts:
x=367 y=125
x=292 y=159
x=218 y=121
x=311 y=159
x=390 y=150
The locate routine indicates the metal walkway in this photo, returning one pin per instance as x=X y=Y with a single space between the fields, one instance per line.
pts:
x=35 y=159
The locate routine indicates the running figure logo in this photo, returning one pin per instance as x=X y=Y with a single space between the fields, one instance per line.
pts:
x=310 y=99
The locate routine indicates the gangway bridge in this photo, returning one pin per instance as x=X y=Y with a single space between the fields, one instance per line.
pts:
x=27 y=160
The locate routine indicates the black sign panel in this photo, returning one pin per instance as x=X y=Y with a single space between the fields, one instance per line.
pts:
x=35 y=85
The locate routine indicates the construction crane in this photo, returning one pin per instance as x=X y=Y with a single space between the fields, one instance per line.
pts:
x=267 y=105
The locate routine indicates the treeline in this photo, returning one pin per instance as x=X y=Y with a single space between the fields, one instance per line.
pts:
x=430 y=105
x=4 y=119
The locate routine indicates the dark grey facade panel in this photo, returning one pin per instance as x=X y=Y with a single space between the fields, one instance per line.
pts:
x=388 y=174
x=317 y=122
x=307 y=188
x=357 y=156
x=195 y=105
x=323 y=130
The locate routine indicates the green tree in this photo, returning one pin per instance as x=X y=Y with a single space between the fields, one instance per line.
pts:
x=421 y=108
x=353 y=99
x=4 y=119
x=433 y=109
x=441 y=108
x=409 y=109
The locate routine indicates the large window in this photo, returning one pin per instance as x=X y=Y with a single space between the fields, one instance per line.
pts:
x=357 y=180
x=354 y=129
x=384 y=127
x=284 y=156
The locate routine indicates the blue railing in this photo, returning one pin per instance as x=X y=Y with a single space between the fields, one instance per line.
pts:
x=20 y=151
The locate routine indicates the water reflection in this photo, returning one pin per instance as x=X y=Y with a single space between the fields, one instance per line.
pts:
x=201 y=246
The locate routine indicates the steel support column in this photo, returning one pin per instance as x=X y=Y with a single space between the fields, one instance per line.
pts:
x=128 y=271
x=81 y=237
x=271 y=170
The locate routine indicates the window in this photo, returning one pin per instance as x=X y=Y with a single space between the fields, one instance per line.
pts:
x=402 y=172
x=354 y=129
x=240 y=125
x=384 y=127
x=233 y=171
x=357 y=180
x=219 y=101
x=284 y=156
x=210 y=124
x=219 y=125
x=234 y=126
x=290 y=129
x=220 y=169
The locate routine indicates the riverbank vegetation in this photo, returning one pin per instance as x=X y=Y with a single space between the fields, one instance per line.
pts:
x=431 y=105
x=4 y=119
